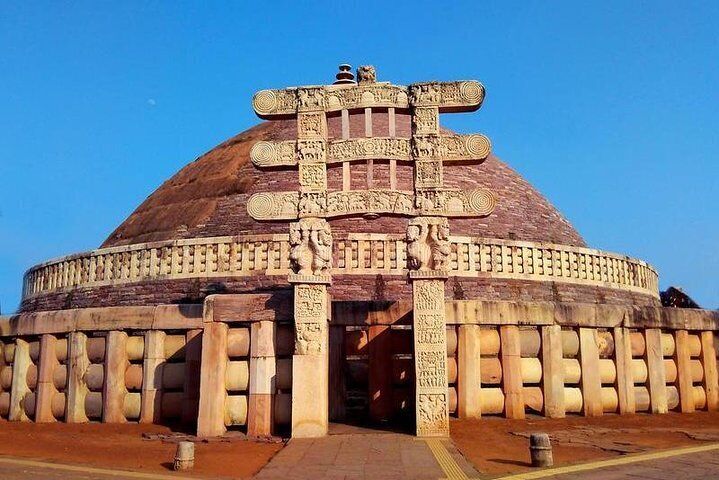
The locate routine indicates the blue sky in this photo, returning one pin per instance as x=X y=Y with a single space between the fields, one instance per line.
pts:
x=609 y=108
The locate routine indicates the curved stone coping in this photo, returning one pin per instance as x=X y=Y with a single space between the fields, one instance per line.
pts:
x=276 y=307
x=357 y=254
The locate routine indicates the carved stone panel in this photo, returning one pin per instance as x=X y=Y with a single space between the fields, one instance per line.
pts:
x=366 y=95
x=274 y=154
x=428 y=246
x=436 y=202
x=464 y=147
x=425 y=121
x=430 y=349
x=310 y=319
x=448 y=148
x=310 y=250
x=428 y=174
x=312 y=125
x=310 y=99
x=447 y=96
x=451 y=202
x=369 y=148
x=313 y=177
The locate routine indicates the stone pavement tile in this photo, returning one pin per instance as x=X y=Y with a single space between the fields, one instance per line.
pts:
x=634 y=471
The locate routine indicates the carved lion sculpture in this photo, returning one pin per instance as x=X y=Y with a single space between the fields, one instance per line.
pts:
x=366 y=74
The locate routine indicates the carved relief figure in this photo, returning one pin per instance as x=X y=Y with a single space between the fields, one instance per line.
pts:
x=311 y=247
x=432 y=413
x=418 y=251
x=312 y=203
x=366 y=74
x=428 y=246
x=439 y=242
x=321 y=243
x=308 y=338
x=311 y=98
x=300 y=253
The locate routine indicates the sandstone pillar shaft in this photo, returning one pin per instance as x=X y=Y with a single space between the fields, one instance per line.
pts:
x=262 y=379
x=45 y=386
x=77 y=364
x=553 y=372
x=211 y=414
x=310 y=375
x=656 y=373
x=469 y=379
x=709 y=363
x=19 y=388
x=624 y=382
x=591 y=381
x=114 y=389
x=511 y=357
x=152 y=377
x=430 y=357
x=682 y=359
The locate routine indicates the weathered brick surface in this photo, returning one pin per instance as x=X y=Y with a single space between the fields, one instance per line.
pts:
x=208 y=198
x=355 y=287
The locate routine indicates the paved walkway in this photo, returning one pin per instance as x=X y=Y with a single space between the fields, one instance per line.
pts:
x=662 y=465
x=397 y=456
x=363 y=456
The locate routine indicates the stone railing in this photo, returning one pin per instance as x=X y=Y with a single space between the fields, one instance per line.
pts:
x=358 y=254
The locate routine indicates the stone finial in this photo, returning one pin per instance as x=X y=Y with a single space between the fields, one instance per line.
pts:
x=366 y=74
x=344 y=76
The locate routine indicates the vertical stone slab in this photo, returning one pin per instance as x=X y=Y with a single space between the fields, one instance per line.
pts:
x=469 y=380
x=656 y=374
x=77 y=364
x=19 y=388
x=709 y=363
x=262 y=379
x=380 y=373
x=152 y=377
x=511 y=358
x=552 y=372
x=193 y=352
x=624 y=382
x=682 y=359
x=45 y=386
x=591 y=381
x=211 y=414
x=310 y=376
x=337 y=387
x=430 y=358
x=114 y=389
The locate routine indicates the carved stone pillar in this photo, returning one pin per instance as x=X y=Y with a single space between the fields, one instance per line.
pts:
x=427 y=253
x=311 y=258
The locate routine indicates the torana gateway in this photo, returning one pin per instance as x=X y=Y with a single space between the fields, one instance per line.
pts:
x=349 y=261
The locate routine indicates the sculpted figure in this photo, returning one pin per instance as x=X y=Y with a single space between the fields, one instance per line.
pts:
x=366 y=74
x=321 y=243
x=300 y=254
x=439 y=243
x=418 y=252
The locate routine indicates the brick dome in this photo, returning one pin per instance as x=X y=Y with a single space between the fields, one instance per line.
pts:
x=193 y=237
x=208 y=197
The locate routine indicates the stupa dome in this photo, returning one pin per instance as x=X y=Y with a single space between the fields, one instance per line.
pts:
x=194 y=235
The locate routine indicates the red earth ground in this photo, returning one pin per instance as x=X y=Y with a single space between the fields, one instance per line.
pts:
x=493 y=445
x=121 y=446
